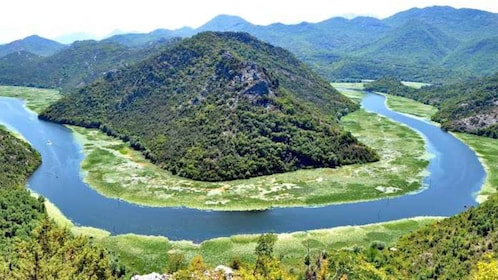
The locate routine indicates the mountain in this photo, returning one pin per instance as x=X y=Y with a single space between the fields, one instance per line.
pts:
x=433 y=44
x=413 y=45
x=220 y=106
x=141 y=39
x=70 y=38
x=74 y=66
x=470 y=106
x=33 y=44
x=17 y=69
x=226 y=23
x=464 y=24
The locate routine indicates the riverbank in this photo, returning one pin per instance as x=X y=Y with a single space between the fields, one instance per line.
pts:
x=486 y=150
x=484 y=147
x=117 y=171
x=144 y=254
x=37 y=99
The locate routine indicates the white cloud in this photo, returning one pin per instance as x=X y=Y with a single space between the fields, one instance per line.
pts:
x=52 y=18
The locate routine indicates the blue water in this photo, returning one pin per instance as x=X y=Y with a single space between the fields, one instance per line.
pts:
x=456 y=175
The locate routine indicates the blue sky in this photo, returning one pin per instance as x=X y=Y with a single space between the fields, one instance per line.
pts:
x=53 y=18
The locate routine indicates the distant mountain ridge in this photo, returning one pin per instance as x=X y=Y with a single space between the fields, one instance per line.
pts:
x=33 y=44
x=417 y=44
x=74 y=66
x=434 y=44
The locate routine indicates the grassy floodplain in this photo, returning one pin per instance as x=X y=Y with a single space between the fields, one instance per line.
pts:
x=411 y=107
x=36 y=99
x=152 y=253
x=116 y=170
x=487 y=150
x=144 y=254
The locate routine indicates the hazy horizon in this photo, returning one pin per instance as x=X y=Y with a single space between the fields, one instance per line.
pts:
x=54 y=19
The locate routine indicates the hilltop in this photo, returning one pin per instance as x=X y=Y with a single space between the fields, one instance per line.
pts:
x=220 y=106
x=33 y=44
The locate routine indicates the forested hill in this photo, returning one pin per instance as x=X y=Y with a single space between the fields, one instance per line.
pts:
x=31 y=245
x=17 y=160
x=470 y=106
x=220 y=106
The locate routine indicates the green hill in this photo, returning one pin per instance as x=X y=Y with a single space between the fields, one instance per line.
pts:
x=33 y=44
x=31 y=245
x=220 y=106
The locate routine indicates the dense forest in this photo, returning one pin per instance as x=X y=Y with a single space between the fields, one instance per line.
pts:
x=31 y=245
x=220 y=106
x=470 y=106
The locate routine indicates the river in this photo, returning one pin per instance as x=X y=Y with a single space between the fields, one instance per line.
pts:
x=456 y=175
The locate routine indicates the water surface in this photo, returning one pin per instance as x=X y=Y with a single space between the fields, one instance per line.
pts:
x=456 y=174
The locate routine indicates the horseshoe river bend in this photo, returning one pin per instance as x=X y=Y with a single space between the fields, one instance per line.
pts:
x=455 y=176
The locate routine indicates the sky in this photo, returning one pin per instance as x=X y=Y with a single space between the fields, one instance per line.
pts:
x=53 y=18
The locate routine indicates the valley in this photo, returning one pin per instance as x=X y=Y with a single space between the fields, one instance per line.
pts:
x=341 y=148
x=288 y=245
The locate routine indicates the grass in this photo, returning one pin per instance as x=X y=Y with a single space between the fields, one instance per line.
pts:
x=144 y=254
x=487 y=150
x=411 y=107
x=341 y=86
x=115 y=170
x=36 y=99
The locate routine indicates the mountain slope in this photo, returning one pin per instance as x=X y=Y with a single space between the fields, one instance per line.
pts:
x=478 y=57
x=72 y=67
x=220 y=106
x=33 y=44
x=416 y=42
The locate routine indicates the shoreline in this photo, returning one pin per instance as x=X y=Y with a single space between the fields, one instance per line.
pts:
x=284 y=184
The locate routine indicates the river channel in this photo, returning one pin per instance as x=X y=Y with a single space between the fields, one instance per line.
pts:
x=455 y=176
